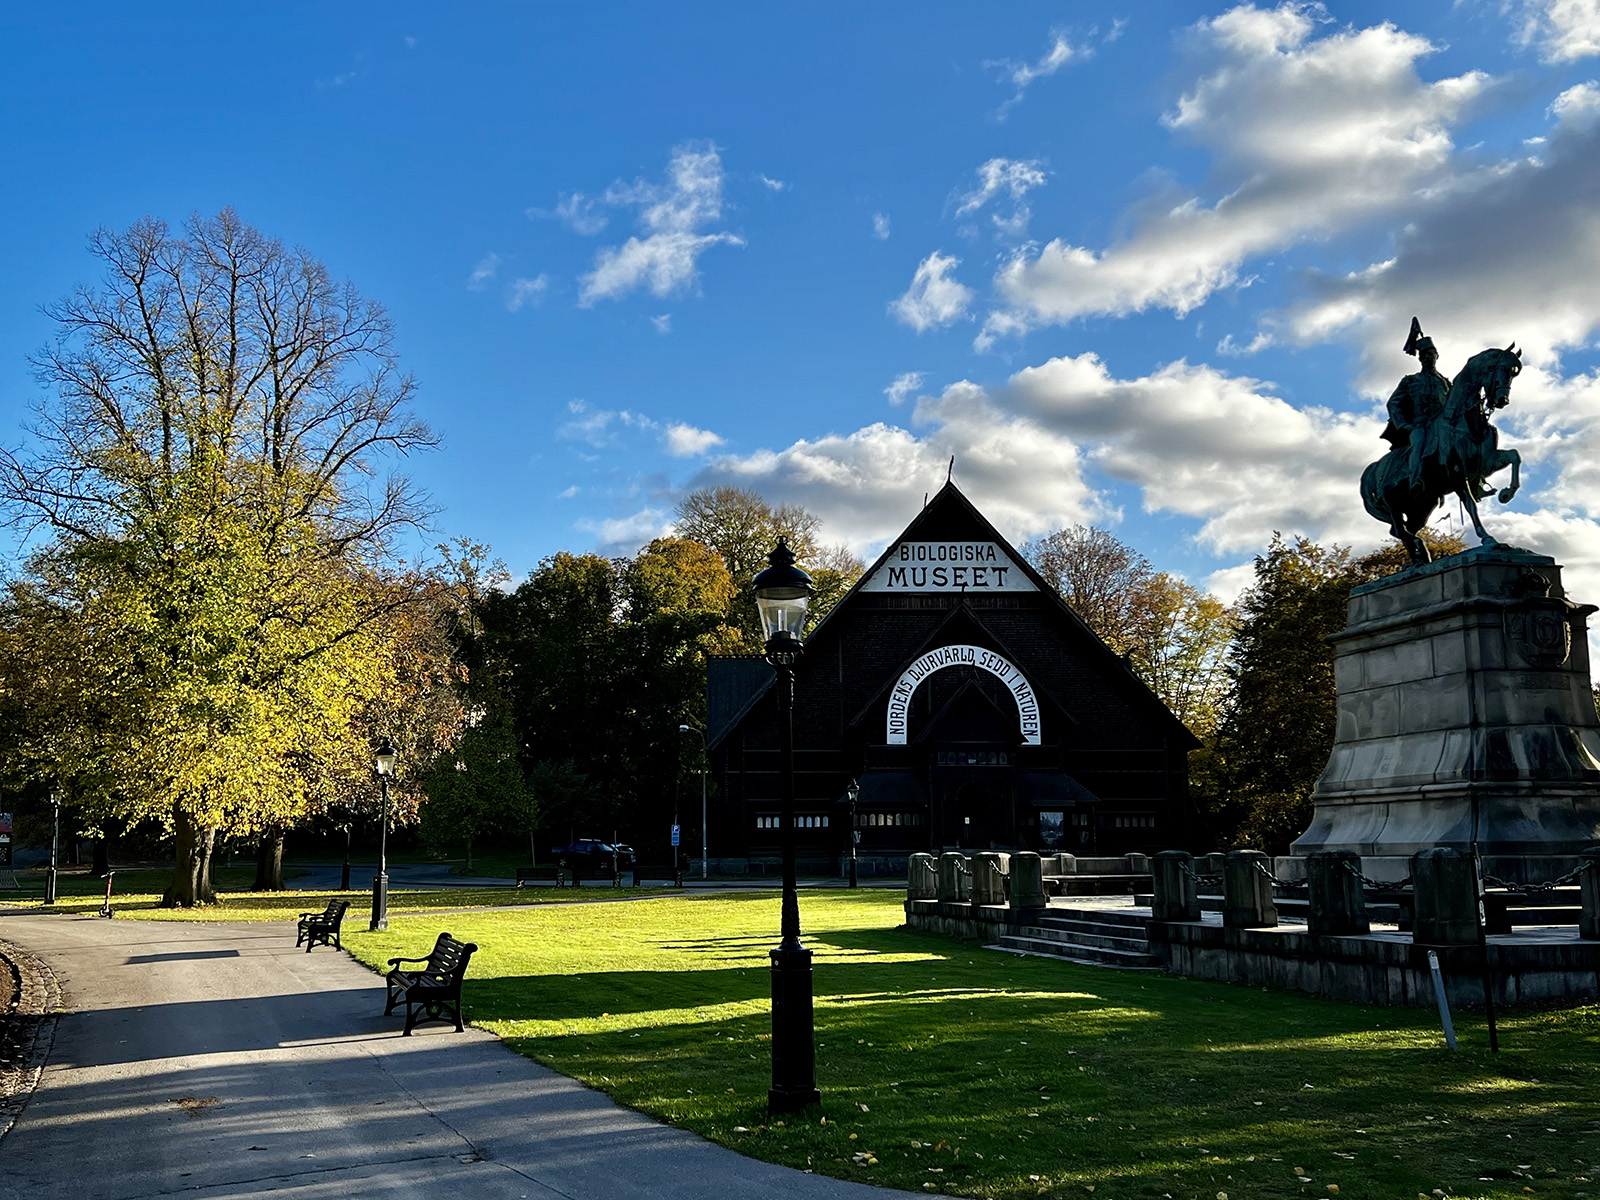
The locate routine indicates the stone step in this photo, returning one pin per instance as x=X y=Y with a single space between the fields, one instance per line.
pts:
x=1093 y=956
x=1111 y=937
x=1100 y=916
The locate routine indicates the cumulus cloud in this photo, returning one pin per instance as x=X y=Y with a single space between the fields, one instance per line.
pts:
x=523 y=292
x=1009 y=178
x=485 y=271
x=1022 y=75
x=866 y=485
x=673 y=217
x=1509 y=253
x=625 y=535
x=880 y=226
x=685 y=441
x=1311 y=132
x=1561 y=30
x=904 y=385
x=933 y=300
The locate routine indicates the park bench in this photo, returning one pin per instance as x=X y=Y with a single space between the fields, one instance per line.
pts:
x=314 y=926
x=667 y=872
x=436 y=986
x=548 y=873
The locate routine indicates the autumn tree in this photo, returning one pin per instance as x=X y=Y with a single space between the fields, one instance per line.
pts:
x=208 y=475
x=741 y=527
x=1174 y=636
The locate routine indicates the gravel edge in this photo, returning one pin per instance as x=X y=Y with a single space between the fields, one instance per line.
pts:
x=27 y=1032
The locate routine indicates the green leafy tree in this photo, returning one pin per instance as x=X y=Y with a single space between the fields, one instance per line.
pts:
x=1279 y=728
x=208 y=471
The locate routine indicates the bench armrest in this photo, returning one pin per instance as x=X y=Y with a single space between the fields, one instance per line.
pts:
x=395 y=962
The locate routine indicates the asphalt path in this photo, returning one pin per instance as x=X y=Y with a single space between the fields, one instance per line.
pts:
x=217 y=1060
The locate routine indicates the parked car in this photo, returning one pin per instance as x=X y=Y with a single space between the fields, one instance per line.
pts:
x=587 y=854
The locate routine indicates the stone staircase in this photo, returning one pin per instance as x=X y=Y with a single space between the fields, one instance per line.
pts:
x=1103 y=938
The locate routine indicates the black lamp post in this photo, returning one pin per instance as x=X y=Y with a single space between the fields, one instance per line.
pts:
x=55 y=840
x=782 y=593
x=853 y=793
x=705 y=861
x=384 y=760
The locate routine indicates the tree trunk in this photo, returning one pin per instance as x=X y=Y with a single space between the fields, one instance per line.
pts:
x=269 y=862
x=74 y=851
x=102 y=858
x=533 y=853
x=469 y=853
x=191 y=876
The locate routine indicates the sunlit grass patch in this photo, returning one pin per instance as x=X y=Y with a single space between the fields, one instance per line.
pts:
x=993 y=1075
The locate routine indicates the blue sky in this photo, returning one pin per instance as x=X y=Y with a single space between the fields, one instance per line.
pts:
x=1146 y=266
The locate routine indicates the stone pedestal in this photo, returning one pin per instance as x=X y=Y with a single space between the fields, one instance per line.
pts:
x=1176 y=896
x=1465 y=720
x=1247 y=892
x=1338 y=903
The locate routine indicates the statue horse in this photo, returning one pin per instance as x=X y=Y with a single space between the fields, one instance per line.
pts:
x=1467 y=451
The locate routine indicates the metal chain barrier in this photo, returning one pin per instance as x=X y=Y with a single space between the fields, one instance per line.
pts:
x=1378 y=885
x=1289 y=884
x=1201 y=880
x=1537 y=889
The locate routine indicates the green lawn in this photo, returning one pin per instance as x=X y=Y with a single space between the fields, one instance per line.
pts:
x=945 y=1067
x=137 y=894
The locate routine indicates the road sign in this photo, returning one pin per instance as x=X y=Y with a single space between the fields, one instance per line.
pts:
x=675 y=835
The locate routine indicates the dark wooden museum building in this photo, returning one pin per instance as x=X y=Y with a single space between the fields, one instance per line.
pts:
x=974 y=708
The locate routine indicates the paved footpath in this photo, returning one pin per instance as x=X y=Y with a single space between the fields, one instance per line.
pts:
x=216 y=1060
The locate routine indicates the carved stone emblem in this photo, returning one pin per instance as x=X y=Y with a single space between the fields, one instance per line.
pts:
x=1540 y=637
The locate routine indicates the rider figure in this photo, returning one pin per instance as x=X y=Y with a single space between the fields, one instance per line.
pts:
x=1415 y=407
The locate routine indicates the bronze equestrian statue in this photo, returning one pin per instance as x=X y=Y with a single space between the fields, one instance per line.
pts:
x=1442 y=442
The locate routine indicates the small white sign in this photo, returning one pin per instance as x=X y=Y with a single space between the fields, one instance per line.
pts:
x=949 y=567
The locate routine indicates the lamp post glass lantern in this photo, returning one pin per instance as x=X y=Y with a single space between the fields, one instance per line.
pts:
x=782 y=593
x=383 y=761
x=705 y=860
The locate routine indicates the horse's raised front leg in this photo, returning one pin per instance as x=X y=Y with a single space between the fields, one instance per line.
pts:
x=1515 y=461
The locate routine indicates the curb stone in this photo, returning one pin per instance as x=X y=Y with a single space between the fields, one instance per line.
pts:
x=27 y=1031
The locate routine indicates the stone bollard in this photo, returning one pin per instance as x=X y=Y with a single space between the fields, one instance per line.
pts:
x=1027 y=886
x=954 y=885
x=988 y=878
x=1338 y=901
x=1177 y=897
x=1444 y=885
x=1589 y=883
x=1136 y=864
x=1211 y=864
x=922 y=878
x=1247 y=892
x=1066 y=864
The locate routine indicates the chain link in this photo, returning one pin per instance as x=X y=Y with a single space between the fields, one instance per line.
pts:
x=1201 y=880
x=1378 y=885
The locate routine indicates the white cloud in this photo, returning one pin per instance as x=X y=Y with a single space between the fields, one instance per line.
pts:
x=1021 y=75
x=880 y=226
x=599 y=427
x=1013 y=178
x=568 y=493
x=904 y=385
x=685 y=441
x=663 y=323
x=487 y=266
x=625 y=535
x=1563 y=30
x=776 y=185
x=523 y=292
x=582 y=214
x=867 y=484
x=1509 y=253
x=933 y=300
x=1314 y=135
x=672 y=216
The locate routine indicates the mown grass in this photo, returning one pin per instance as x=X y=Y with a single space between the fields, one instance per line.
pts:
x=137 y=894
x=976 y=1073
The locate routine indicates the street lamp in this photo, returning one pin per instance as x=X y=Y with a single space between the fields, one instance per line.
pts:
x=705 y=862
x=782 y=593
x=852 y=794
x=55 y=839
x=384 y=760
